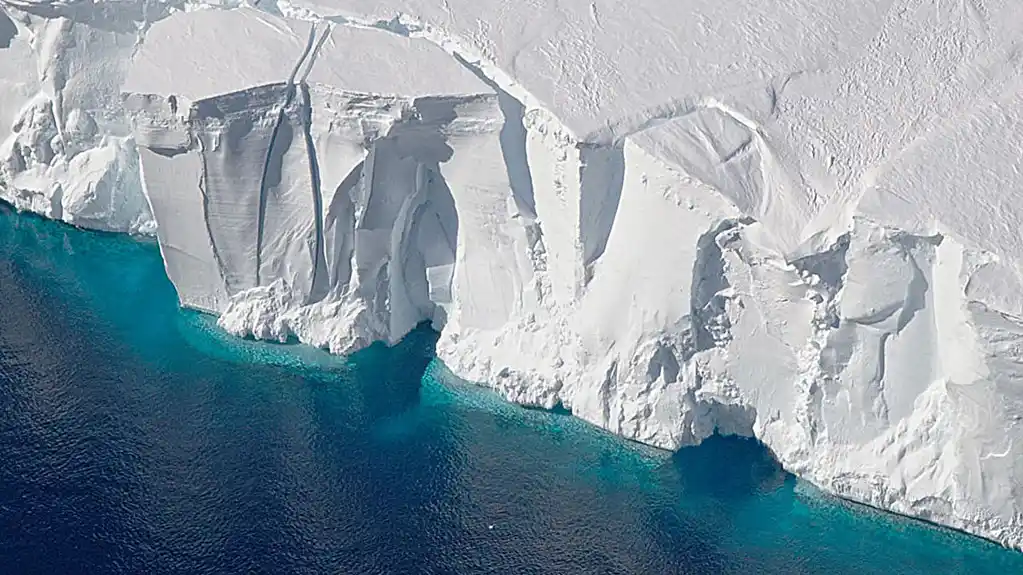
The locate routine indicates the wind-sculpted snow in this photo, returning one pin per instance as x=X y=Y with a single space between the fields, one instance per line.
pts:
x=776 y=218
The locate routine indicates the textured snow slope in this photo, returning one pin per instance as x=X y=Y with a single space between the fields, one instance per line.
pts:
x=771 y=218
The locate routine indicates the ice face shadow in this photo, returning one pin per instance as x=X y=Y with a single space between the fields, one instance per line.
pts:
x=389 y=379
x=728 y=467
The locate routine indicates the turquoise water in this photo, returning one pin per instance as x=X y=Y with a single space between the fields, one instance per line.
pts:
x=137 y=438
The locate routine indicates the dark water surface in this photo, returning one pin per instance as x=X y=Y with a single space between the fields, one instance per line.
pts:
x=136 y=438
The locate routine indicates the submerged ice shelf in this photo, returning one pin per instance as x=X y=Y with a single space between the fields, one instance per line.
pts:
x=673 y=218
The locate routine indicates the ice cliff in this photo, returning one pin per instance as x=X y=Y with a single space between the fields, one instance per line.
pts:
x=772 y=218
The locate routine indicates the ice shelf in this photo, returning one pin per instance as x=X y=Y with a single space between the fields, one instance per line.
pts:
x=771 y=218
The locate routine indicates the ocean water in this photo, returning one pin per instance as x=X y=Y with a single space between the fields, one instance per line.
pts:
x=137 y=438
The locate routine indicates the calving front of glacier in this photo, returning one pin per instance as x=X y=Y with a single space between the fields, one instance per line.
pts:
x=762 y=218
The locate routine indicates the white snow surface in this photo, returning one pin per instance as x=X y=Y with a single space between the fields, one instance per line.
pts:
x=780 y=218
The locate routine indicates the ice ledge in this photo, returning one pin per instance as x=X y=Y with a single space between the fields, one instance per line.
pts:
x=664 y=276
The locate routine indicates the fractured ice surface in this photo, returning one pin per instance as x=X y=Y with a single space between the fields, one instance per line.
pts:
x=318 y=201
x=772 y=218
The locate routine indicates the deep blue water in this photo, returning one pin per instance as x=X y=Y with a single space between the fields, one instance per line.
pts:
x=136 y=438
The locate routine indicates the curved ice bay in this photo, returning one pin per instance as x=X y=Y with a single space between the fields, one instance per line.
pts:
x=767 y=218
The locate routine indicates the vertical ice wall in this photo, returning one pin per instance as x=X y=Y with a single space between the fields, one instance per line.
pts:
x=65 y=149
x=376 y=209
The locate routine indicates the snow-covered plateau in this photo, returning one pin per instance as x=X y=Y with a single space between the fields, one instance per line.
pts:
x=792 y=219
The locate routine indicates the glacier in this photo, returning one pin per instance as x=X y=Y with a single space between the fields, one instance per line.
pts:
x=769 y=218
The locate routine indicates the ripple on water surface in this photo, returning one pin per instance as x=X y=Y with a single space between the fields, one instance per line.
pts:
x=137 y=438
